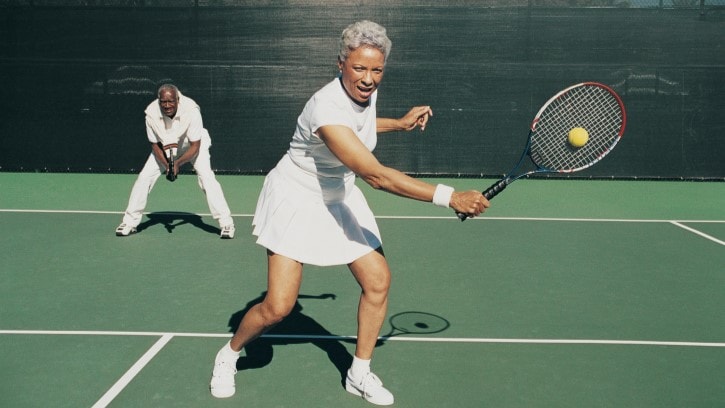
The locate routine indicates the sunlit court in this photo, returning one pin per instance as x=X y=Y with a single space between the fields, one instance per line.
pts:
x=593 y=128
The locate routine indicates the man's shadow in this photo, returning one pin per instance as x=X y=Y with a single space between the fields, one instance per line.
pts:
x=259 y=352
x=171 y=220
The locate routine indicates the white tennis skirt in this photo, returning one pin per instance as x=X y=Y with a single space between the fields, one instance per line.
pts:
x=313 y=220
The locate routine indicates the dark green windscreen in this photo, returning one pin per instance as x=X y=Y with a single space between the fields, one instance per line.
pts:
x=75 y=79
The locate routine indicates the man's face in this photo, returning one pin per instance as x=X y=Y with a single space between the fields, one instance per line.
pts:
x=169 y=102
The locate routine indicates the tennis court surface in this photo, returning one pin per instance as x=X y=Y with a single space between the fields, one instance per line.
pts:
x=567 y=293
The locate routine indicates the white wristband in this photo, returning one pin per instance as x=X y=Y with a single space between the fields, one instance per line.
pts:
x=442 y=195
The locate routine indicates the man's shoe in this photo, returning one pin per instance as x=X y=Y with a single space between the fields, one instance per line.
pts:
x=370 y=388
x=125 y=230
x=227 y=232
x=222 y=377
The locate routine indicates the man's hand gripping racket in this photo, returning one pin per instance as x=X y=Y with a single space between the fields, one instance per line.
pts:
x=170 y=151
x=574 y=129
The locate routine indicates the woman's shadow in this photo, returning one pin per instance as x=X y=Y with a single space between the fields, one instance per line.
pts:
x=296 y=328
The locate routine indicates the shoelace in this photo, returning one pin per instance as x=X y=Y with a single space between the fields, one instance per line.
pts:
x=370 y=380
x=224 y=368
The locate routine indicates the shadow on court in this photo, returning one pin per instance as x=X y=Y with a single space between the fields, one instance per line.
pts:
x=171 y=220
x=259 y=352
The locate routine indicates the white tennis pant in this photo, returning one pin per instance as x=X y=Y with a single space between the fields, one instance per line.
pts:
x=207 y=182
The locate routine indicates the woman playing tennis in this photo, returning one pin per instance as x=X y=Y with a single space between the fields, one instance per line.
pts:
x=310 y=211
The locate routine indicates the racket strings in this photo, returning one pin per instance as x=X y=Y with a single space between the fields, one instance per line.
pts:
x=588 y=106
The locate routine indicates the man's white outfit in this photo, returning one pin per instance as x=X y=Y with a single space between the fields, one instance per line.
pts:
x=186 y=126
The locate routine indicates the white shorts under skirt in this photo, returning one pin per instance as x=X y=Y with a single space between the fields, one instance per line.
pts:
x=293 y=220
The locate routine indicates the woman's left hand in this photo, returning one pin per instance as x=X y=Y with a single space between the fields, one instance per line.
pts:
x=417 y=116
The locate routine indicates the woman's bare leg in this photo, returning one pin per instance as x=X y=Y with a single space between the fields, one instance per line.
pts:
x=373 y=274
x=284 y=277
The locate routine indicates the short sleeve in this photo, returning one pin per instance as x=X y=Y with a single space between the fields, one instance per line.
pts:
x=150 y=134
x=196 y=126
x=328 y=113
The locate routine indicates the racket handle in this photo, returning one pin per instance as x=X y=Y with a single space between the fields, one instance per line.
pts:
x=489 y=193
x=170 y=173
x=495 y=188
x=170 y=151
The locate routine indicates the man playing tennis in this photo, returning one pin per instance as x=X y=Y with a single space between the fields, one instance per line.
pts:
x=175 y=120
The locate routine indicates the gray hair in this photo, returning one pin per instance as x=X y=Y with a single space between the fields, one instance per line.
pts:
x=364 y=33
x=168 y=87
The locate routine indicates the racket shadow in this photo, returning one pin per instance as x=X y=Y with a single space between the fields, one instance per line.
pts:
x=296 y=328
x=170 y=220
x=414 y=323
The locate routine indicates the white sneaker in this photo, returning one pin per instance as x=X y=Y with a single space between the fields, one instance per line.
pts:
x=125 y=230
x=370 y=388
x=227 y=232
x=222 y=377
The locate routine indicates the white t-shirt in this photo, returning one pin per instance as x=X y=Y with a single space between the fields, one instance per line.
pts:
x=186 y=126
x=309 y=208
x=330 y=106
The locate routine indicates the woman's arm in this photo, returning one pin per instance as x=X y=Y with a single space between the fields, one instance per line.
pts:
x=343 y=143
x=417 y=116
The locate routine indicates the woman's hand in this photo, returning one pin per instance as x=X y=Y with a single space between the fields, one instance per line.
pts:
x=417 y=117
x=471 y=203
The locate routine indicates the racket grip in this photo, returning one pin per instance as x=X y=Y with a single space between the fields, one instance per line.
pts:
x=170 y=172
x=496 y=188
x=489 y=193
x=170 y=152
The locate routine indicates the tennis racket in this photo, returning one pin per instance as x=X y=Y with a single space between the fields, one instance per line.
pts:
x=170 y=152
x=574 y=129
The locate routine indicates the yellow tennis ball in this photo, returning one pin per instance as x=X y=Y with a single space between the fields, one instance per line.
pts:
x=578 y=137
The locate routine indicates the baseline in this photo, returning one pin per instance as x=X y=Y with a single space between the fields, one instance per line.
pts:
x=166 y=337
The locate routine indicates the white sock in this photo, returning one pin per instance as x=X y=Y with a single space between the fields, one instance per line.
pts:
x=359 y=367
x=228 y=353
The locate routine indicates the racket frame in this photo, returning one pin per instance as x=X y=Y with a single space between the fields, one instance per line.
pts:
x=512 y=176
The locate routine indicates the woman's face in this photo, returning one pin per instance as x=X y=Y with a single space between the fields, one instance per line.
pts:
x=362 y=72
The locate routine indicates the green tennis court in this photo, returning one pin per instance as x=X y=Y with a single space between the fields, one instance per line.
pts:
x=567 y=293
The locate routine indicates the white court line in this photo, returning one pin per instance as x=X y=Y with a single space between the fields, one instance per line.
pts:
x=110 y=333
x=391 y=338
x=518 y=341
x=116 y=389
x=16 y=210
x=402 y=217
x=485 y=217
x=121 y=384
x=700 y=233
x=21 y=210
